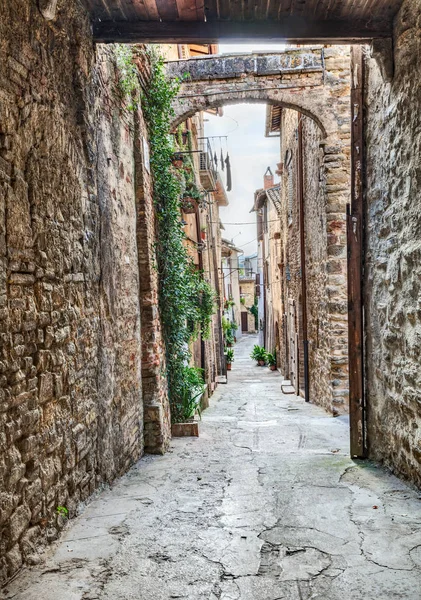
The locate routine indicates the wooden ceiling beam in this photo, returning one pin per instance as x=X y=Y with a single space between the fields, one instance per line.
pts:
x=293 y=30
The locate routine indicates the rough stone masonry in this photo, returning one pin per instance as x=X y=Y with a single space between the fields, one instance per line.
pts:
x=79 y=324
x=74 y=302
x=393 y=250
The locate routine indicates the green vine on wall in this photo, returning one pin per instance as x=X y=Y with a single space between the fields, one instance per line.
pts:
x=128 y=77
x=186 y=300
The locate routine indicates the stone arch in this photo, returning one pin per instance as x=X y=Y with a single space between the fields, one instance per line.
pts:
x=312 y=105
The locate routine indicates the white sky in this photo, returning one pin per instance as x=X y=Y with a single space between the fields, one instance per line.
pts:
x=250 y=155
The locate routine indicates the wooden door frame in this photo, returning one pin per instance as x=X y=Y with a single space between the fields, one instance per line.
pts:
x=355 y=254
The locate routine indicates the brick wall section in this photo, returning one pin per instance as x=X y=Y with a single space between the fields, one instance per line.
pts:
x=393 y=252
x=157 y=418
x=71 y=410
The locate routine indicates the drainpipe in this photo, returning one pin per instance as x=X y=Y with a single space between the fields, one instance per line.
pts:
x=303 y=257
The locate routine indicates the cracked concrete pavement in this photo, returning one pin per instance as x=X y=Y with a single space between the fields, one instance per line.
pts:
x=264 y=505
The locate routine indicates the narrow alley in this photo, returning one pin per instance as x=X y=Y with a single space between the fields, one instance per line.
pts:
x=264 y=505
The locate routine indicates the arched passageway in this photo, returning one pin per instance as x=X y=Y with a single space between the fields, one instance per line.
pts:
x=316 y=84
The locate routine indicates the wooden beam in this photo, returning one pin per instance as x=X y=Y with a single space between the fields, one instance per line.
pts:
x=355 y=215
x=289 y=29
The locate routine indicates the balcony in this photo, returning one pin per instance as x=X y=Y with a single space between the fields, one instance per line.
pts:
x=207 y=166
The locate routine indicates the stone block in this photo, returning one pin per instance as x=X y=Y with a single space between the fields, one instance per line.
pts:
x=19 y=522
x=13 y=560
x=46 y=387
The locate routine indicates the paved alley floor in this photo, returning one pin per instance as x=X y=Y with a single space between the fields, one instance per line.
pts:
x=264 y=505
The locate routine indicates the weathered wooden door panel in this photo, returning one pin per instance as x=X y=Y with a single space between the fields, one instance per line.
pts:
x=244 y=322
x=293 y=343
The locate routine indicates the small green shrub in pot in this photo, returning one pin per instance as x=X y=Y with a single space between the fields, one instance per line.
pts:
x=271 y=360
x=259 y=354
x=229 y=338
x=229 y=354
x=188 y=400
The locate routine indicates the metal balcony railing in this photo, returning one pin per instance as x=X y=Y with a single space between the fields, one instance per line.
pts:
x=207 y=168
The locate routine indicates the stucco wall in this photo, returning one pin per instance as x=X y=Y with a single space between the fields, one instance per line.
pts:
x=393 y=252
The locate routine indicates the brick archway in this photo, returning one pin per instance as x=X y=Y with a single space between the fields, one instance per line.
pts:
x=316 y=83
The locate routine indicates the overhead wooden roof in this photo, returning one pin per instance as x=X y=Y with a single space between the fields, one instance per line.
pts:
x=208 y=21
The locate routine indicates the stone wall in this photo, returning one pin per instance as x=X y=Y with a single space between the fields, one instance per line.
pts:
x=326 y=327
x=71 y=366
x=290 y=233
x=326 y=191
x=393 y=252
x=157 y=418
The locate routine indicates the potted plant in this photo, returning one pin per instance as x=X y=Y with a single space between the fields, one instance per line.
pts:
x=271 y=360
x=234 y=328
x=191 y=200
x=259 y=354
x=203 y=232
x=230 y=358
x=187 y=403
x=229 y=338
x=177 y=160
x=228 y=303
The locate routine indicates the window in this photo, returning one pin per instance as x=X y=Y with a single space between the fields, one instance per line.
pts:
x=290 y=171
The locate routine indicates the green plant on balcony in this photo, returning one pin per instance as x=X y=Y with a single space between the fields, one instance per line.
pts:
x=229 y=303
x=191 y=199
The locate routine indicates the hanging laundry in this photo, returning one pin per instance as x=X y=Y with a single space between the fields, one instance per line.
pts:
x=229 y=180
x=222 y=160
x=215 y=158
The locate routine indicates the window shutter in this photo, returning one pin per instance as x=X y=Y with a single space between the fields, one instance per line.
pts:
x=290 y=194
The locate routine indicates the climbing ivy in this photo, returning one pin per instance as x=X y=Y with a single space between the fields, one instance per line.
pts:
x=128 y=78
x=186 y=300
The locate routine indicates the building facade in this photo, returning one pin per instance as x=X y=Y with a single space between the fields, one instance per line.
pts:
x=299 y=312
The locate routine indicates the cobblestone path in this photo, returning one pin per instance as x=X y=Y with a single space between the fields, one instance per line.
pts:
x=264 y=505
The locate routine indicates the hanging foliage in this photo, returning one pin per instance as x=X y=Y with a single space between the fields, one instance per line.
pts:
x=128 y=77
x=186 y=300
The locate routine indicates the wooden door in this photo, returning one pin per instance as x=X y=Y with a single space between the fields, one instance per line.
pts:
x=244 y=322
x=292 y=342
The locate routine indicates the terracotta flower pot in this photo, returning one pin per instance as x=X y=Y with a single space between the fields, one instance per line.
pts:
x=273 y=367
x=228 y=366
x=189 y=205
x=203 y=235
x=261 y=363
x=177 y=163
